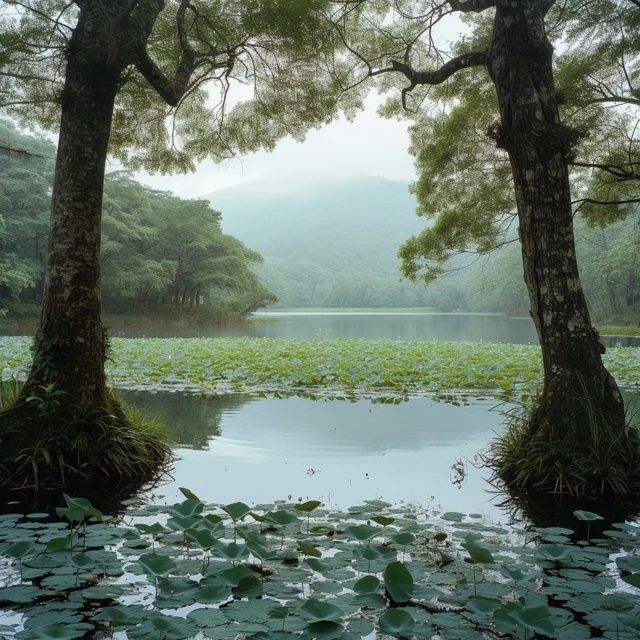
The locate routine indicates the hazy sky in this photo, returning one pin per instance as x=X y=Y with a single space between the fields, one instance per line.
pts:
x=368 y=145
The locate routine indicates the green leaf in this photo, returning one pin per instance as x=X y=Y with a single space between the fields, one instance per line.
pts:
x=367 y=584
x=482 y=604
x=236 y=510
x=232 y=551
x=118 y=616
x=403 y=538
x=59 y=631
x=308 y=506
x=555 y=552
x=318 y=565
x=309 y=550
x=383 y=520
x=362 y=532
x=396 y=622
x=60 y=544
x=101 y=593
x=320 y=611
x=587 y=516
x=536 y=619
x=633 y=579
x=152 y=529
x=157 y=565
x=399 y=582
x=18 y=594
x=281 y=518
x=186 y=509
x=477 y=553
x=19 y=549
x=248 y=587
x=203 y=537
x=188 y=494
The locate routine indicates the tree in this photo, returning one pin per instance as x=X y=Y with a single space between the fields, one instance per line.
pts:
x=501 y=76
x=137 y=78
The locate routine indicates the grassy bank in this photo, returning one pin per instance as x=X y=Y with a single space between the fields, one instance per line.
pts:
x=328 y=366
x=619 y=330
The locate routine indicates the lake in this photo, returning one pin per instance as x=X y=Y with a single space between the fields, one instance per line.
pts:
x=240 y=447
x=375 y=324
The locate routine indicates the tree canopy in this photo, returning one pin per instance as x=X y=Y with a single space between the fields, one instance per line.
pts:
x=464 y=181
x=159 y=251
x=212 y=79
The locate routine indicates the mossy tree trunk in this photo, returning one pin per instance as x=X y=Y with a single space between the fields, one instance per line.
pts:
x=70 y=345
x=69 y=350
x=577 y=386
x=76 y=433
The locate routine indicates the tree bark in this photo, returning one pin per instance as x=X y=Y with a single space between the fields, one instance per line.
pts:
x=70 y=344
x=576 y=383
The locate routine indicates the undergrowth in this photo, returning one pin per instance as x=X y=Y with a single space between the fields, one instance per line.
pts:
x=54 y=443
x=597 y=462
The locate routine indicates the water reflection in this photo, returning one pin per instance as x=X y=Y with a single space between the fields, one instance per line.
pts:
x=374 y=325
x=390 y=324
x=241 y=447
x=233 y=447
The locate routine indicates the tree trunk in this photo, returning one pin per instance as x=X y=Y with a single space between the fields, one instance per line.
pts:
x=70 y=345
x=576 y=383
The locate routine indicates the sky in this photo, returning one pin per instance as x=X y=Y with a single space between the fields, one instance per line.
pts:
x=370 y=145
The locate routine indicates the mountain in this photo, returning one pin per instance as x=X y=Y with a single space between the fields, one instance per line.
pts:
x=327 y=242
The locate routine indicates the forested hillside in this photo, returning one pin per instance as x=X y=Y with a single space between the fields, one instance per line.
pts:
x=326 y=243
x=160 y=253
x=334 y=243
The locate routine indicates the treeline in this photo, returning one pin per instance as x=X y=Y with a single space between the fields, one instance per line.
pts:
x=609 y=260
x=160 y=253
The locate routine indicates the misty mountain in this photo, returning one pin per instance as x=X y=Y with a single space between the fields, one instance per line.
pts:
x=326 y=241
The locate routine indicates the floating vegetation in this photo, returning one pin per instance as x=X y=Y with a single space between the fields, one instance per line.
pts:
x=284 y=571
x=342 y=366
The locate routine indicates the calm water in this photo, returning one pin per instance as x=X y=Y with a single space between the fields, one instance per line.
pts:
x=258 y=450
x=386 y=324
x=380 y=324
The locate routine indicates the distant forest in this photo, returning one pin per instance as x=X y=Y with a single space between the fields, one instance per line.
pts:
x=326 y=243
x=160 y=253
x=334 y=243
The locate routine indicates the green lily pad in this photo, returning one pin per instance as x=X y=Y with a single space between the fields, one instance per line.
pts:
x=320 y=611
x=399 y=582
x=396 y=622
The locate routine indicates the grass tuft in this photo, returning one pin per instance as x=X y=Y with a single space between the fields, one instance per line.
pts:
x=596 y=462
x=49 y=443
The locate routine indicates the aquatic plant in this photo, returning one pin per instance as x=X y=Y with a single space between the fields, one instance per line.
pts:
x=340 y=367
x=80 y=444
x=174 y=571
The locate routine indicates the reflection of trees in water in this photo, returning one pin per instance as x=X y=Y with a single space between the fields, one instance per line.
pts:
x=192 y=420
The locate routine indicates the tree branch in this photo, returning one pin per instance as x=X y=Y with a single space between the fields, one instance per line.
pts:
x=582 y=201
x=471 y=6
x=438 y=76
x=171 y=89
x=622 y=174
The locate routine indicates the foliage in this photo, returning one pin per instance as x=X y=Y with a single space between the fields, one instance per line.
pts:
x=163 y=580
x=281 y=50
x=464 y=182
x=589 y=463
x=50 y=447
x=159 y=252
x=323 y=366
